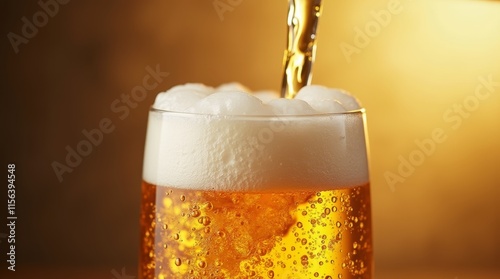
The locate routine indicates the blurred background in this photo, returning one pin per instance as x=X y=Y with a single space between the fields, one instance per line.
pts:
x=419 y=67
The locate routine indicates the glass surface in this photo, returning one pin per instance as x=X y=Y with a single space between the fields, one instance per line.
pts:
x=256 y=197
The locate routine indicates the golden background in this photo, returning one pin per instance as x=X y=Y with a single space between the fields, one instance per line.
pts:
x=410 y=73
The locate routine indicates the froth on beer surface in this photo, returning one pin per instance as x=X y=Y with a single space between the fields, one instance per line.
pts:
x=236 y=99
x=222 y=141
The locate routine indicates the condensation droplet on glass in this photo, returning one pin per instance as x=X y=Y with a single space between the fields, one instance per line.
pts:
x=202 y=264
x=195 y=213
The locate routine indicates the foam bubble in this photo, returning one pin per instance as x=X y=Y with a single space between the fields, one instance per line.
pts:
x=230 y=103
x=266 y=95
x=325 y=99
x=291 y=107
x=181 y=97
x=233 y=86
x=225 y=143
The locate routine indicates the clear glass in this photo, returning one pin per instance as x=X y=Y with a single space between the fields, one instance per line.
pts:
x=256 y=197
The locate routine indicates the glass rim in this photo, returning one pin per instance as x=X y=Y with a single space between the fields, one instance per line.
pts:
x=361 y=111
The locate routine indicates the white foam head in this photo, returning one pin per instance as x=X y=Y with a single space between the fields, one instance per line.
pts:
x=230 y=140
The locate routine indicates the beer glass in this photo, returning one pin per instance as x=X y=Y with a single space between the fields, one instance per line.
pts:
x=256 y=197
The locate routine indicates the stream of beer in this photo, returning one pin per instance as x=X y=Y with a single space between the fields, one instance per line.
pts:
x=302 y=21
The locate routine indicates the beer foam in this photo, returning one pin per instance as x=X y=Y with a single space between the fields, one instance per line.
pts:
x=228 y=139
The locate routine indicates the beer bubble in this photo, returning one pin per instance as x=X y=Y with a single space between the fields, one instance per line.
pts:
x=195 y=213
x=328 y=277
x=320 y=262
x=182 y=198
x=178 y=262
x=269 y=263
x=304 y=213
x=299 y=224
x=327 y=211
x=304 y=241
x=208 y=206
x=338 y=224
x=355 y=245
x=334 y=199
x=316 y=274
x=320 y=200
x=221 y=233
x=334 y=208
x=204 y=220
x=339 y=236
x=361 y=225
x=207 y=230
x=270 y=274
x=289 y=256
x=165 y=226
x=313 y=206
x=340 y=276
x=283 y=249
x=293 y=248
x=304 y=260
x=165 y=246
x=176 y=236
x=202 y=264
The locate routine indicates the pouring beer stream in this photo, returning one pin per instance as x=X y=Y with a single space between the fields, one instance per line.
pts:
x=302 y=21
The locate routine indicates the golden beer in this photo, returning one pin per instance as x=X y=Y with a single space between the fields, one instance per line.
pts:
x=292 y=234
x=295 y=204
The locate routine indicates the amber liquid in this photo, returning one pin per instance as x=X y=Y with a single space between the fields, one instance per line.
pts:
x=295 y=234
x=302 y=22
